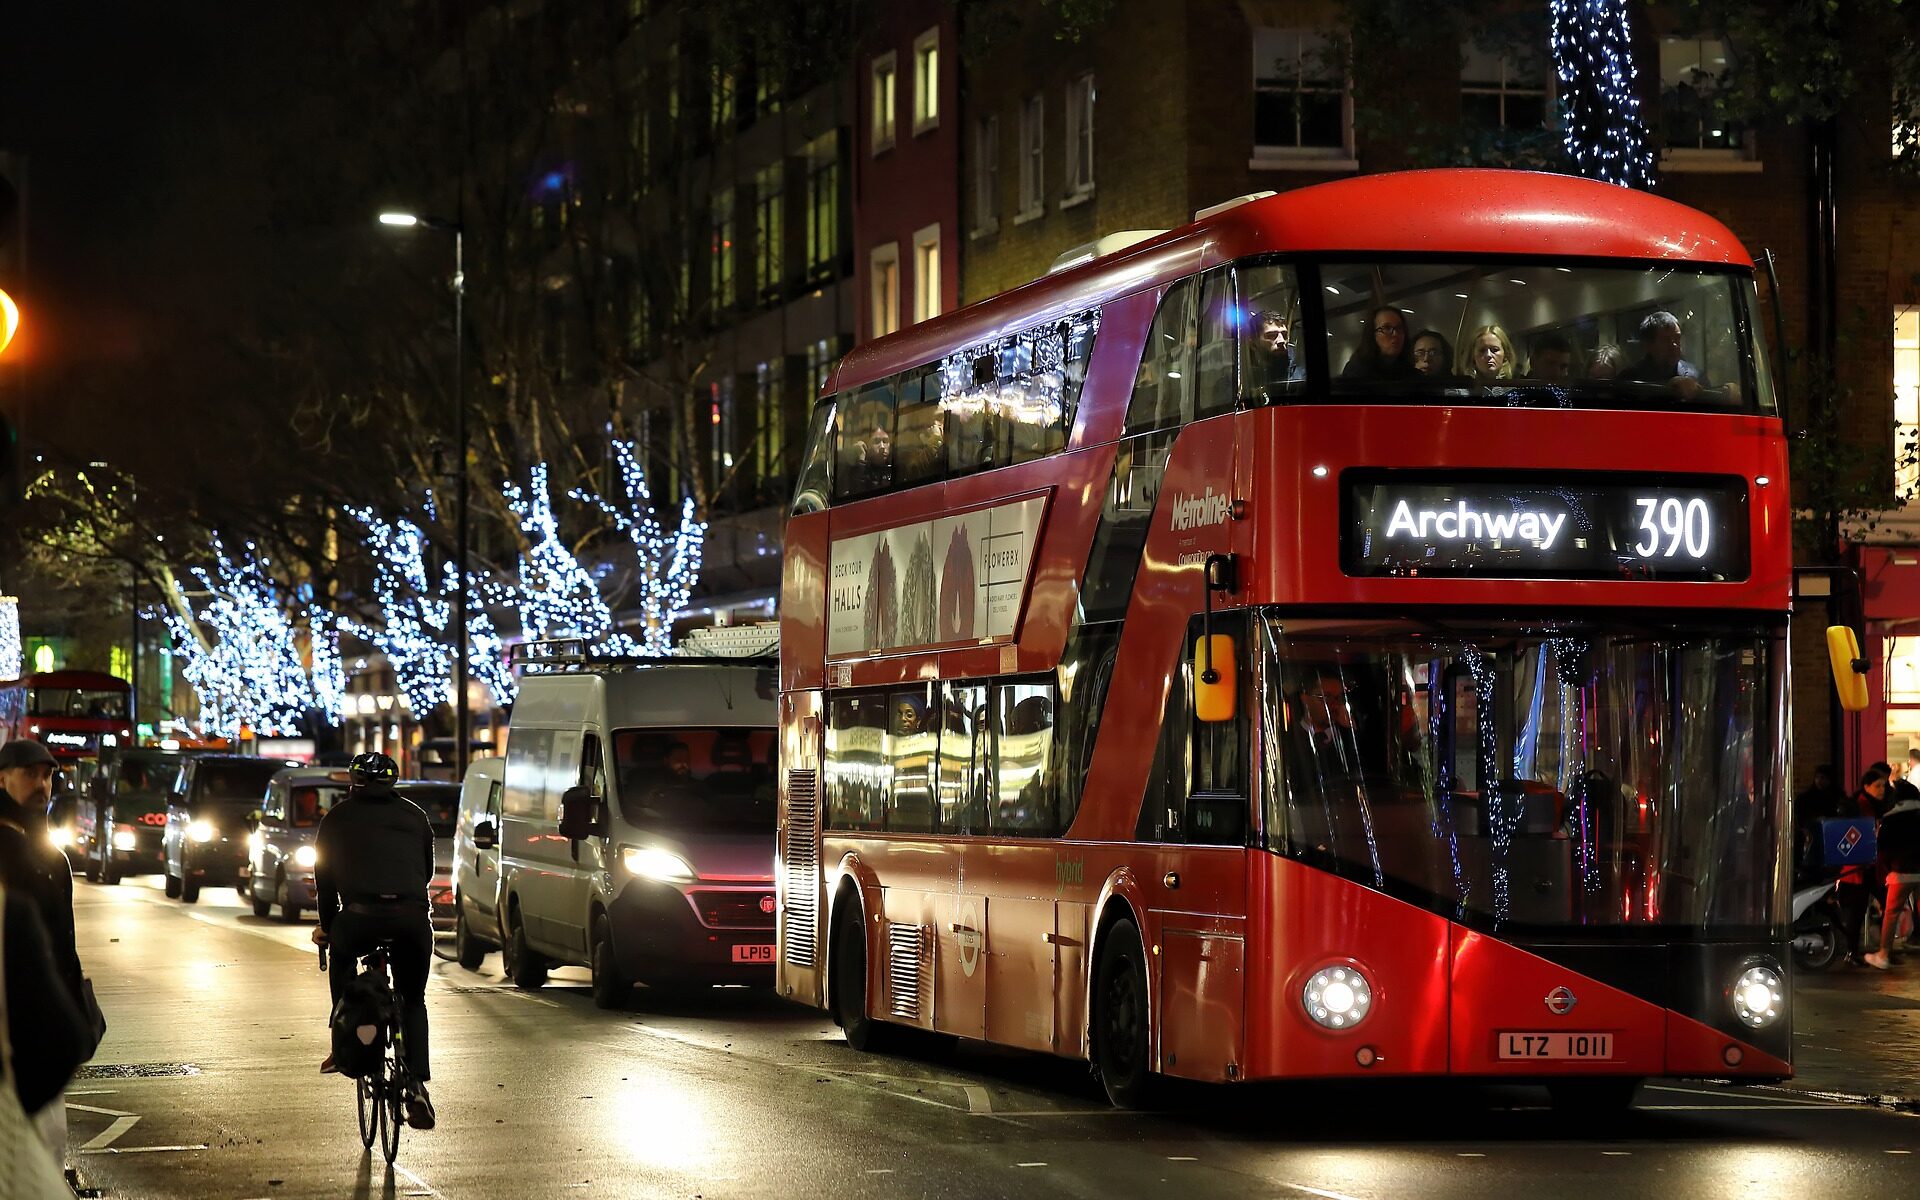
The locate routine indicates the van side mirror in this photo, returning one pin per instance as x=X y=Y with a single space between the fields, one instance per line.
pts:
x=486 y=835
x=1215 y=689
x=1849 y=669
x=576 y=813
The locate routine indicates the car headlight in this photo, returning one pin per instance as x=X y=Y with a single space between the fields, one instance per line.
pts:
x=651 y=862
x=1337 y=997
x=305 y=856
x=125 y=839
x=1759 y=997
x=202 y=831
x=60 y=836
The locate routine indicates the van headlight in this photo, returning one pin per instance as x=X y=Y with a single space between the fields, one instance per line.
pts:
x=202 y=831
x=651 y=862
x=125 y=839
x=1337 y=997
x=305 y=856
x=1759 y=996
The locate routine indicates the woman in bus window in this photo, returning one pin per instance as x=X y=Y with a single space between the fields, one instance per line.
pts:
x=1489 y=356
x=1383 y=348
x=1432 y=354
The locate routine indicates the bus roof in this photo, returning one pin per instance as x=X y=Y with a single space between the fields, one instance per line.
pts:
x=92 y=680
x=1466 y=211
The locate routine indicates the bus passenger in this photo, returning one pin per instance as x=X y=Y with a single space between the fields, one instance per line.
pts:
x=1271 y=363
x=1432 y=354
x=1489 y=356
x=1661 y=361
x=1552 y=360
x=1607 y=361
x=1383 y=354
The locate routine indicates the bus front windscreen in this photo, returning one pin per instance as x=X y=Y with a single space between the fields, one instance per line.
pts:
x=1550 y=777
x=1540 y=334
x=93 y=703
x=715 y=780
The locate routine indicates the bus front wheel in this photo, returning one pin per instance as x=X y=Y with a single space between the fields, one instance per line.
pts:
x=850 y=982
x=1120 y=1043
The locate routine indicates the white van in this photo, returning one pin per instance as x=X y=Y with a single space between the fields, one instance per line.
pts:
x=476 y=862
x=636 y=831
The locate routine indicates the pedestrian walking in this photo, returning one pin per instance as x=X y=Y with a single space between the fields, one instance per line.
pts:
x=1854 y=887
x=1899 y=846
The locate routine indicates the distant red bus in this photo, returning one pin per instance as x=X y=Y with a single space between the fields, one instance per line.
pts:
x=1182 y=673
x=74 y=712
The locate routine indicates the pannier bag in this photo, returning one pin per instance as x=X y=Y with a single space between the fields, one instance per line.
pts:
x=360 y=1019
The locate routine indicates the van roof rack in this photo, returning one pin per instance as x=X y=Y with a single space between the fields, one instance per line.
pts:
x=554 y=655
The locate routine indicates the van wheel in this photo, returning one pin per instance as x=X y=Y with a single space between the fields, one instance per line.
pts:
x=94 y=854
x=524 y=967
x=1120 y=1042
x=468 y=950
x=611 y=989
x=289 y=911
x=190 y=891
x=850 y=984
x=173 y=886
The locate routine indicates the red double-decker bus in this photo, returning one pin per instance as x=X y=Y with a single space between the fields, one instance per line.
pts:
x=1344 y=636
x=74 y=712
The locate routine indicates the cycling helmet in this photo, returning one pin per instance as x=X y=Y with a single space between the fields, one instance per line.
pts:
x=374 y=773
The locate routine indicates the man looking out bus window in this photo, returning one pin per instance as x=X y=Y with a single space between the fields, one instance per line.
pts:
x=1661 y=361
x=1272 y=363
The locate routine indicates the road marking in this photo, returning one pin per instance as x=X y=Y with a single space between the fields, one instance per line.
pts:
x=1616 y=1154
x=1181 y=1158
x=122 y=1121
x=1321 y=1192
x=418 y=1182
x=1469 y=1154
x=1742 y=1093
x=978 y=1099
x=142 y=1149
x=1731 y=1107
x=1029 y=1164
x=879 y=1171
x=1899 y=1152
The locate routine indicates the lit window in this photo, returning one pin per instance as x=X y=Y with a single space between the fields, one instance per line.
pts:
x=769 y=233
x=1499 y=91
x=770 y=416
x=926 y=81
x=1906 y=400
x=1299 y=95
x=1033 y=156
x=881 y=96
x=720 y=274
x=823 y=207
x=884 y=275
x=926 y=273
x=986 y=175
x=1691 y=72
x=1080 y=136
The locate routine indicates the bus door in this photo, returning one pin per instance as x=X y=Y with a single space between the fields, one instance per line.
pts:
x=1198 y=809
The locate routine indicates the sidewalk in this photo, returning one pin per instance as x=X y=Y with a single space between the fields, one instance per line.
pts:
x=1856 y=1031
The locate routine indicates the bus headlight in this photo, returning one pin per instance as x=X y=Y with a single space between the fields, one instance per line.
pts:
x=201 y=831
x=305 y=856
x=651 y=862
x=1337 y=997
x=125 y=839
x=1758 y=998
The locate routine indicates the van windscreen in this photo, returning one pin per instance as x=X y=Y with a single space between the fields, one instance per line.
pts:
x=708 y=779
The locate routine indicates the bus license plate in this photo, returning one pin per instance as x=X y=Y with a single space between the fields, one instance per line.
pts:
x=753 y=954
x=1556 y=1046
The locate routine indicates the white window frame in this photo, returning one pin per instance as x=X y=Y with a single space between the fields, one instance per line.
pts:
x=1307 y=158
x=1080 y=134
x=1033 y=158
x=1702 y=159
x=926 y=81
x=883 y=98
x=926 y=285
x=986 y=175
x=1906 y=392
x=1511 y=84
x=883 y=276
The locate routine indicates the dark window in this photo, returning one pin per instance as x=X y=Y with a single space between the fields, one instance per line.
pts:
x=708 y=779
x=1023 y=753
x=920 y=430
x=913 y=745
x=856 y=763
x=1198 y=791
x=1138 y=464
x=1214 y=383
x=863 y=458
x=1163 y=389
x=1086 y=669
x=966 y=759
x=810 y=489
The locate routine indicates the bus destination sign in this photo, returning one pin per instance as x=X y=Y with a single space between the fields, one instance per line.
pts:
x=1545 y=526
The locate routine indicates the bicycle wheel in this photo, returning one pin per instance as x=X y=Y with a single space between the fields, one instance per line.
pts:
x=369 y=1117
x=392 y=1102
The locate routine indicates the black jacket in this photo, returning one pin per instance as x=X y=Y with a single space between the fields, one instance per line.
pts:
x=30 y=867
x=1900 y=838
x=370 y=847
x=46 y=1030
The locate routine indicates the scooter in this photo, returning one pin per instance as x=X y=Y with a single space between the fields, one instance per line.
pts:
x=1816 y=926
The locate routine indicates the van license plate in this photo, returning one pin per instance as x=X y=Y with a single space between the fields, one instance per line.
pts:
x=1550 y=1047
x=753 y=954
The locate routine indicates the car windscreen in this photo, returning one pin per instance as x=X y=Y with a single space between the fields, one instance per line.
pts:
x=307 y=803
x=441 y=803
x=233 y=782
x=714 y=780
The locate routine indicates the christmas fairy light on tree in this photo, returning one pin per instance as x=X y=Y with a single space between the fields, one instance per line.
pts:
x=556 y=596
x=669 y=563
x=242 y=657
x=1592 y=47
x=10 y=649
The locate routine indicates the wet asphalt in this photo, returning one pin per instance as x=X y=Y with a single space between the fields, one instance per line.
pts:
x=207 y=1087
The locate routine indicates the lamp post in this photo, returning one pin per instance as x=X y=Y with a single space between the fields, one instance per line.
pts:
x=406 y=220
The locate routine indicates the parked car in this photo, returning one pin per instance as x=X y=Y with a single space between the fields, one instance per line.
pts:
x=636 y=827
x=207 y=815
x=121 y=818
x=476 y=862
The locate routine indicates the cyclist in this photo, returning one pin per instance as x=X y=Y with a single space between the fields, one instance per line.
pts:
x=374 y=865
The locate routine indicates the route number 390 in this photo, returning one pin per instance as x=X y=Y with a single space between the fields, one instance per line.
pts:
x=1680 y=524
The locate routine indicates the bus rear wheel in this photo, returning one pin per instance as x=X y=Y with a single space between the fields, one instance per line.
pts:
x=1120 y=1042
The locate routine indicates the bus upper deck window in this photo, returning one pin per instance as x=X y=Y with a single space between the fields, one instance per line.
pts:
x=810 y=490
x=920 y=429
x=863 y=455
x=1272 y=360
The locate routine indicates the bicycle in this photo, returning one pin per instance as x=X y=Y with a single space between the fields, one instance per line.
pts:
x=382 y=1092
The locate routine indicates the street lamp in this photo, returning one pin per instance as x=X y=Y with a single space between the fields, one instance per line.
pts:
x=407 y=220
